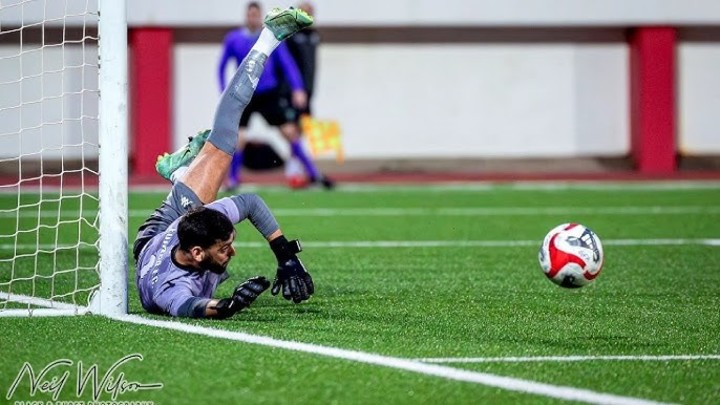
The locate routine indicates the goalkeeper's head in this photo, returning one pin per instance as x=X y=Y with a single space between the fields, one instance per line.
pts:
x=206 y=238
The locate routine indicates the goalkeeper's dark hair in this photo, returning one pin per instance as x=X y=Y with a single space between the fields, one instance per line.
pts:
x=203 y=227
x=254 y=4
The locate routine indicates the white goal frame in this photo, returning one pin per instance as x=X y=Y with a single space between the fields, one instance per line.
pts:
x=111 y=299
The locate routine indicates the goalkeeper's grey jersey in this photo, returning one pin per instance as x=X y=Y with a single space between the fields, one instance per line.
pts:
x=164 y=285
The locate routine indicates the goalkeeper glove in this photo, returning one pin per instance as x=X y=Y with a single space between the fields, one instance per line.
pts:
x=291 y=277
x=244 y=295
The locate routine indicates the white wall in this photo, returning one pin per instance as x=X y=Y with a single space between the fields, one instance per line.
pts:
x=48 y=102
x=394 y=100
x=395 y=12
x=52 y=12
x=499 y=99
x=699 y=98
x=447 y=12
x=449 y=100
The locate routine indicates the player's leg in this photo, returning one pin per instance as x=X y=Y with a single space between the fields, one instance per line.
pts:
x=294 y=170
x=208 y=170
x=291 y=132
x=278 y=112
x=234 y=175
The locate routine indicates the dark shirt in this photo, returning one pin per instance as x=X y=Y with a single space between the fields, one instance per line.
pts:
x=303 y=48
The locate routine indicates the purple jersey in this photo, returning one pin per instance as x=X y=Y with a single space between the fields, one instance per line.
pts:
x=164 y=286
x=237 y=45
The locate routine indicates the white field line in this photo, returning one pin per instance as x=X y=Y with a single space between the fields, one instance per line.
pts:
x=539 y=185
x=472 y=186
x=51 y=308
x=543 y=359
x=41 y=312
x=491 y=380
x=32 y=212
x=404 y=244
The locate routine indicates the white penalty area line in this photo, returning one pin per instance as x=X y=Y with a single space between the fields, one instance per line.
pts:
x=562 y=359
x=490 y=185
x=487 y=243
x=491 y=380
x=520 y=185
x=399 y=244
x=433 y=186
x=33 y=212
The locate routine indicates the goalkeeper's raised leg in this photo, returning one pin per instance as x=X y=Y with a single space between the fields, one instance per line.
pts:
x=183 y=249
x=202 y=165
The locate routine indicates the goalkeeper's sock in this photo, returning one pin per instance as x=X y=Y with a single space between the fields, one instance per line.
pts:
x=178 y=174
x=233 y=101
x=266 y=43
x=299 y=152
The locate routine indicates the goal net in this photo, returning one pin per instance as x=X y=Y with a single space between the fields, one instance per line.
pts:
x=57 y=211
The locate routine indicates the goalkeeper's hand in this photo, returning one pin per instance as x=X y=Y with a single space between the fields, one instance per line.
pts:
x=245 y=294
x=292 y=277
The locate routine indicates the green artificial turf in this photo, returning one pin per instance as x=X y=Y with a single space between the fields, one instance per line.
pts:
x=407 y=302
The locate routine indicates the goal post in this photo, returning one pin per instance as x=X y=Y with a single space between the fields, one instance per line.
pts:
x=111 y=298
x=63 y=157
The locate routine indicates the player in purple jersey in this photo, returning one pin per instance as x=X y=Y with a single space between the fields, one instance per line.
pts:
x=268 y=99
x=183 y=249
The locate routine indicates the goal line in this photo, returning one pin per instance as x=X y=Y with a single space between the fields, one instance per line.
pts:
x=407 y=365
x=46 y=307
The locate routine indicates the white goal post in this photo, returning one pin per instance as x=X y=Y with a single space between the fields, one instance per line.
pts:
x=63 y=157
x=113 y=189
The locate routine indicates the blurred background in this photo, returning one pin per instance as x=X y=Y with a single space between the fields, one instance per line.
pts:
x=466 y=89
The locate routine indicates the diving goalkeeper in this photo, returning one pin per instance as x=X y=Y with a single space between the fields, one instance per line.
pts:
x=183 y=249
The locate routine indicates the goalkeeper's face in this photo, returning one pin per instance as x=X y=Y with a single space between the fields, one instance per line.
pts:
x=217 y=257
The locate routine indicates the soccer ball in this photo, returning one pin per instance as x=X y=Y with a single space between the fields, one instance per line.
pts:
x=571 y=255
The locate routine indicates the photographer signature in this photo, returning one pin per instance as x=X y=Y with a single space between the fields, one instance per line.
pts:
x=113 y=381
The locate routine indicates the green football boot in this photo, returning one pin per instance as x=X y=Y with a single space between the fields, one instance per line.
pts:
x=167 y=164
x=285 y=23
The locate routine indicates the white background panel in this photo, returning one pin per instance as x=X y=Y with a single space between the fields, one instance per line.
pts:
x=699 y=98
x=448 y=100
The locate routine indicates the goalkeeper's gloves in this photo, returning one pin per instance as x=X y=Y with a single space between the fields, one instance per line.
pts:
x=244 y=295
x=291 y=277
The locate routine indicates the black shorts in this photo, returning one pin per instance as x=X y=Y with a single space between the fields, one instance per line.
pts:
x=180 y=200
x=299 y=112
x=274 y=108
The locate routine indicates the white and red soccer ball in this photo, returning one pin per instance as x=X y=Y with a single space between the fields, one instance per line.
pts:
x=571 y=255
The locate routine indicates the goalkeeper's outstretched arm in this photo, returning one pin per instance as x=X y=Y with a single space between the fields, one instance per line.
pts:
x=292 y=278
x=197 y=307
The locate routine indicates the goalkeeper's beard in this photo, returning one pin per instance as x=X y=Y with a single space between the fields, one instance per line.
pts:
x=214 y=266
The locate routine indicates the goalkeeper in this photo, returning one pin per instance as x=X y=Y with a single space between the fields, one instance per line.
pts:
x=183 y=249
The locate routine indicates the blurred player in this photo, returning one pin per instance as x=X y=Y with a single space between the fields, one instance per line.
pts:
x=303 y=48
x=183 y=249
x=267 y=99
